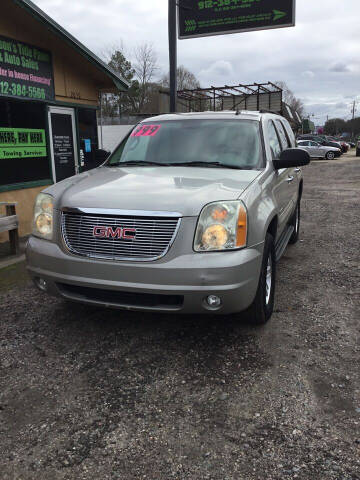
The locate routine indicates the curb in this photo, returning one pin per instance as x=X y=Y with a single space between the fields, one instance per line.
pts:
x=12 y=261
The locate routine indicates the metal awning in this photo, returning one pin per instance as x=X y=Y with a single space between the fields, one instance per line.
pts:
x=254 y=96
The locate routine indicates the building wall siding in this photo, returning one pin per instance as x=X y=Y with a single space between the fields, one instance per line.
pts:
x=76 y=80
x=25 y=203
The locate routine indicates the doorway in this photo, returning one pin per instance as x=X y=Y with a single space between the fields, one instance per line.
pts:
x=63 y=144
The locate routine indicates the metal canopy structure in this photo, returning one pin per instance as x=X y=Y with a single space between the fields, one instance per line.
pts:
x=255 y=96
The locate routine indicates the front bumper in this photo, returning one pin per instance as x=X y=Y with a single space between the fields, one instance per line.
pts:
x=190 y=278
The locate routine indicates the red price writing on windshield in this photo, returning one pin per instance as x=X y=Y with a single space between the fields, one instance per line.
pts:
x=146 y=131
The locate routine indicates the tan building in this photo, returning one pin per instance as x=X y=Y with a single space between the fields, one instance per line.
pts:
x=50 y=87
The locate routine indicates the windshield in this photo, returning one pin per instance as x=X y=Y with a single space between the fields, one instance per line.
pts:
x=224 y=143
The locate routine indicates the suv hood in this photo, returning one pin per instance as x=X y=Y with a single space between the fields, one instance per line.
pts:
x=173 y=189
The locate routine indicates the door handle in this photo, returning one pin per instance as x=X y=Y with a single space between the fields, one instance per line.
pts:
x=297 y=170
x=290 y=179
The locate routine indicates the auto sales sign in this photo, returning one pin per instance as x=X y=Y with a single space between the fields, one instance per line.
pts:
x=200 y=18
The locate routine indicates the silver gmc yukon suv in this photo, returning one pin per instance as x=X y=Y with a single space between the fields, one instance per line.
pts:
x=189 y=214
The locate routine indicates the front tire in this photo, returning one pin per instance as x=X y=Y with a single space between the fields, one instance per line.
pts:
x=330 y=156
x=262 y=307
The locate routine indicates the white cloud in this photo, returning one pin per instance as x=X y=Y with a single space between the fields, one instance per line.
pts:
x=217 y=70
x=308 y=74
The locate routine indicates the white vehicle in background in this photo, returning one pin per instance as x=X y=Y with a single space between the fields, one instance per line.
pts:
x=316 y=150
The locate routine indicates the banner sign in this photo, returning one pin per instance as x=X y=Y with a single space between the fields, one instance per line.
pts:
x=200 y=18
x=25 y=71
x=22 y=143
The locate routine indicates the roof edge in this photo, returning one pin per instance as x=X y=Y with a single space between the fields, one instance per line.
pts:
x=41 y=16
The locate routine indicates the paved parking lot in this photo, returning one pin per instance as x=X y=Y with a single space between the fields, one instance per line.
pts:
x=98 y=394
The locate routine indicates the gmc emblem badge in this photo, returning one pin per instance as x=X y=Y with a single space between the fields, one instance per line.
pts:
x=118 y=232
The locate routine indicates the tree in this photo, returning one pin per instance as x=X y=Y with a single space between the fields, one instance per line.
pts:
x=139 y=73
x=334 y=126
x=289 y=98
x=125 y=101
x=185 y=79
x=145 y=68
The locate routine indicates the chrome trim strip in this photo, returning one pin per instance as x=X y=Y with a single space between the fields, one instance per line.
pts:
x=119 y=212
x=116 y=259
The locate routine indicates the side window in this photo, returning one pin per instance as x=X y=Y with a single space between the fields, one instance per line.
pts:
x=283 y=137
x=290 y=133
x=274 y=141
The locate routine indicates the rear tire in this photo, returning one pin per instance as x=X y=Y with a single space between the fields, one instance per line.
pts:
x=358 y=153
x=262 y=307
x=330 y=156
x=296 y=224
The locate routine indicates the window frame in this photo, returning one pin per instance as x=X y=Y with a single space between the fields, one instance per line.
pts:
x=278 y=120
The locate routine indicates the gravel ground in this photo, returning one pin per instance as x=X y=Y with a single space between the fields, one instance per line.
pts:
x=99 y=394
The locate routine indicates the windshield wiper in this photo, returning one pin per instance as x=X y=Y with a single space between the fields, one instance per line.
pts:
x=175 y=164
x=205 y=164
x=138 y=163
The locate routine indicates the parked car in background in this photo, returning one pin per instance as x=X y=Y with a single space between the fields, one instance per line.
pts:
x=344 y=146
x=316 y=150
x=358 y=148
x=322 y=139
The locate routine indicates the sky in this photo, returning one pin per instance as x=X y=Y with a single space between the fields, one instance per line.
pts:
x=318 y=58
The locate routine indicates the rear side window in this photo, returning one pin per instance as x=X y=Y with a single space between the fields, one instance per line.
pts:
x=274 y=141
x=290 y=133
x=285 y=143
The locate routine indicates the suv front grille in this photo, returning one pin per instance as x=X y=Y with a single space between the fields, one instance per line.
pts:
x=100 y=236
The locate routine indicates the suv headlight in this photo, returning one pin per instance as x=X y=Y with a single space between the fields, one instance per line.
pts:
x=43 y=216
x=221 y=226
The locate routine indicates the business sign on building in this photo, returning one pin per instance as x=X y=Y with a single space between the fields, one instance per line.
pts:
x=25 y=71
x=200 y=18
x=22 y=143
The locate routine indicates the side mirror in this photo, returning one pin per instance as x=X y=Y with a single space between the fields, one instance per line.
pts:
x=292 y=157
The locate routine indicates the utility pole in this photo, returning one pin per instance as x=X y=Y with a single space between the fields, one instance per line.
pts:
x=353 y=118
x=173 y=55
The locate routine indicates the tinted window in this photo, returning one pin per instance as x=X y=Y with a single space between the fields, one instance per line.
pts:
x=290 y=133
x=274 y=141
x=230 y=142
x=283 y=137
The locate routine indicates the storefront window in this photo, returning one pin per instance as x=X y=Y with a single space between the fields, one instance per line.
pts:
x=24 y=155
x=88 y=138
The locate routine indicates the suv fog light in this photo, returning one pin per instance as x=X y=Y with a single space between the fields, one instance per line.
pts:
x=213 y=301
x=41 y=283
